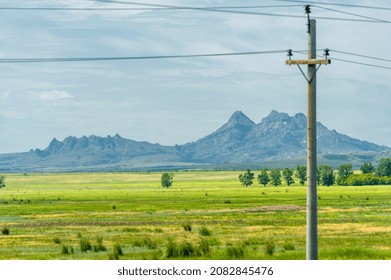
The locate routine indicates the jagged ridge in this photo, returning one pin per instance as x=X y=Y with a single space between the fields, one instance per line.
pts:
x=277 y=137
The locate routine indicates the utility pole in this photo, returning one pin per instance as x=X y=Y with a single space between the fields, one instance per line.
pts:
x=312 y=62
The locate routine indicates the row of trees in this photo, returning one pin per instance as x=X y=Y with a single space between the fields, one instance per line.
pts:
x=275 y=176
x=326 y=175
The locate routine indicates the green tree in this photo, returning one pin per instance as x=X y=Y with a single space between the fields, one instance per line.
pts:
x=318 y=176
x=384 y=167
x=344 y=171
x=167 y=179
x=327 y=175
x=275 y=177
x=247 y=178
x=287 y=173
x=367 y=168
x=301 y=173
x=263 y=178
x=2 y=181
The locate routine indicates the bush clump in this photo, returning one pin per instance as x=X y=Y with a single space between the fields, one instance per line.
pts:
x=85 y=245
x=99 y=245
x=67 y=250
x=270 y=248
x=235 y=251
x=5 y=231
x=187 y=226
x=117 y=252
x=204 y=231
x=289 y=247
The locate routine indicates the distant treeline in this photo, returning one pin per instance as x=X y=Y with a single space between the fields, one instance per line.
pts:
x=326 y=175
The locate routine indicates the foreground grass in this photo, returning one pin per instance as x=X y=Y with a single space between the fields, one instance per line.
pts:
x=205 y=215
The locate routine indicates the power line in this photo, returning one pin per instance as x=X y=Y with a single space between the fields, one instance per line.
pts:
x=226 y=10
x=192 y=7
x=362 y=63
x=222 y=9
x=352 y=61
x=78 y=9
x=89 y=59
x=338 y=4
x=351 y=14
x=362 y=55
x=150 y=7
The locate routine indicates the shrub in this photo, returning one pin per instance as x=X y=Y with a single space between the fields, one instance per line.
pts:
x=289 y=247
x=85 y=245
x=270 y=248
x=204 y=231
x=186 y=249
x=235 y=251
x=203 y=247
x=67 y=250
x=117 y=249
x=99 y=245
x=150 y=243
x=367 y=179
x=57 y=240
x=187 y=226
x=171 y=249
x=5 y=231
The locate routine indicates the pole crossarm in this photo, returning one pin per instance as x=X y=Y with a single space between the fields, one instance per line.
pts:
x=308 y=62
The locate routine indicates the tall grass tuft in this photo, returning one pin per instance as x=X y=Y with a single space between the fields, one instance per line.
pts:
x=187 y=226
x=67 y=250
x=85 y=245
x=117 y=252
x=235 y=251
x=171 y=249
x=5 y=231
x=203 y=247
x=204 y=231
x=186 y=249
x=270 y=248
x=99 y=245
x=289 y=247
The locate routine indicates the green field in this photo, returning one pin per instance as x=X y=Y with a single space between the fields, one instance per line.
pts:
x=204 y=215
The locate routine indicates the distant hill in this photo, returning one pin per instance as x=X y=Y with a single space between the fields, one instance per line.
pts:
x=277 y=140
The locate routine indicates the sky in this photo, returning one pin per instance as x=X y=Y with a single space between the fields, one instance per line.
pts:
x=179 y=100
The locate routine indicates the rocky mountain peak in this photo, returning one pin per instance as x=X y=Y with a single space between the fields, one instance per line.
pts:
x=276 y=116
x=239 y=118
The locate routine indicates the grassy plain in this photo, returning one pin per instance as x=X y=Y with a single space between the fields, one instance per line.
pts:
x=204 y=215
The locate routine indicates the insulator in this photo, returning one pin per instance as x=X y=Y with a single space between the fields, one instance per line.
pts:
x=307 y=9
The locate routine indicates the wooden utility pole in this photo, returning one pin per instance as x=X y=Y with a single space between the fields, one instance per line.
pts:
x=312 y=62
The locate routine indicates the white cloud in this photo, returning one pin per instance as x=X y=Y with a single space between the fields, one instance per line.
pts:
x=54 y=96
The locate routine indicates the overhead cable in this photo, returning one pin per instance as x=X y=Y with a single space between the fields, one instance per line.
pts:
x=351 y=14
x=337 y=4
x=361 y=55
x=77 y=59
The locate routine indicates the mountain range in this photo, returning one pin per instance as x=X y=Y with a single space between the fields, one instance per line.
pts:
x=278 y=140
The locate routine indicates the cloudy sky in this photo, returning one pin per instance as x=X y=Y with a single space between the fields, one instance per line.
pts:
x=179 y=100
